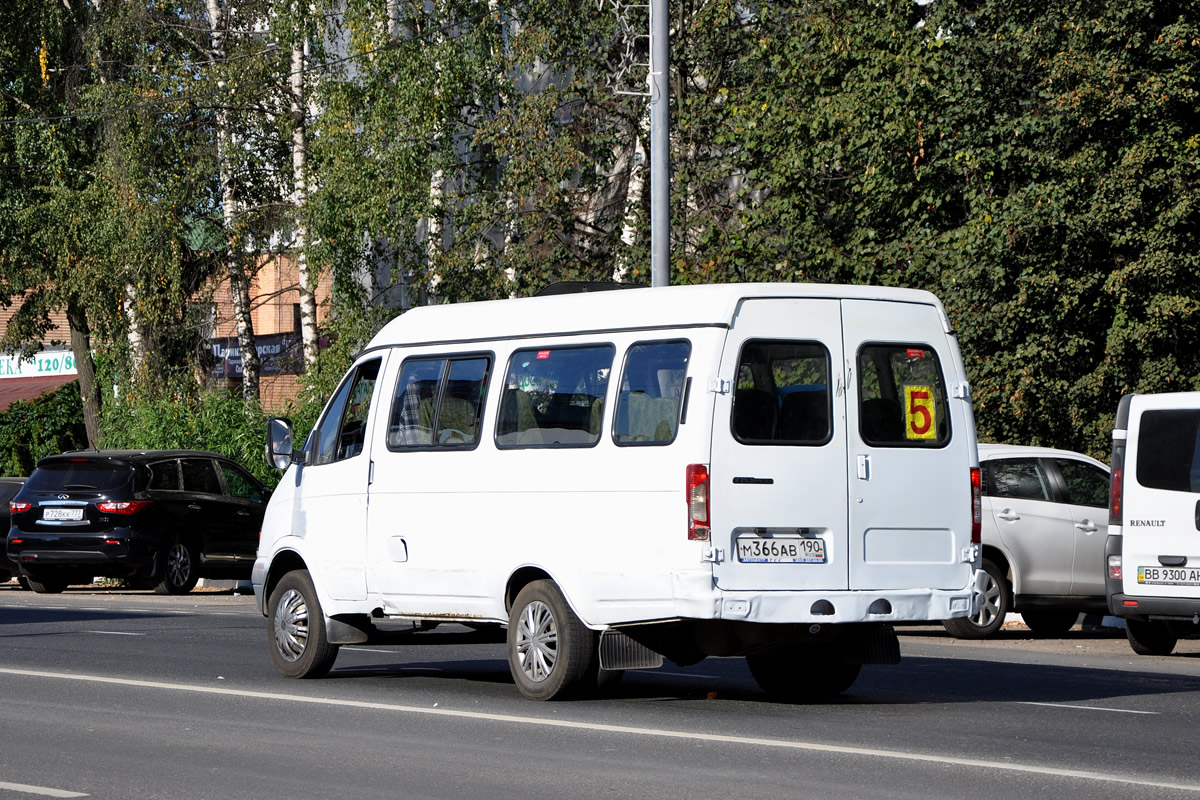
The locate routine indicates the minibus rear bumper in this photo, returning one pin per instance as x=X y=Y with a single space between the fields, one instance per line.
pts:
x=696 y=598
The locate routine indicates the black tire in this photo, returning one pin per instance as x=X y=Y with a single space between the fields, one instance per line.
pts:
x=300 y=646
x=48 y=583
x=800 y=675
x=180 y=568
x=23 y=582
x=1150 y=638
x=993 y=608
x=551 y=653
x=1050 y=622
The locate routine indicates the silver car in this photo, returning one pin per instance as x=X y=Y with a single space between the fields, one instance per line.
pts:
x=1045 y=521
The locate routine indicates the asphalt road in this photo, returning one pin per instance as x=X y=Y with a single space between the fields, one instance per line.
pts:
x=131 y=695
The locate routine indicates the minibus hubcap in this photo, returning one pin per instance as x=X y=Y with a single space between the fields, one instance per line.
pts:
x=291 y=625
x=537 y=641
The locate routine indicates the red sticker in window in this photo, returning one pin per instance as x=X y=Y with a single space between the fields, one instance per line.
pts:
x=912 y=352
x=543 y=354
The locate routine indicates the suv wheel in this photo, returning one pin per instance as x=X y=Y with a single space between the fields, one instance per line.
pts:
x=180 y=563
x=47 y=583
x=993 y=608
x=1150 y=637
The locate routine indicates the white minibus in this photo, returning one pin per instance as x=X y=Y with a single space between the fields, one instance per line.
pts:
x=776 y=471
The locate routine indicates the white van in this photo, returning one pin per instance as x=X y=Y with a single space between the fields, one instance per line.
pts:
x=779 y=471
x=1153 y=548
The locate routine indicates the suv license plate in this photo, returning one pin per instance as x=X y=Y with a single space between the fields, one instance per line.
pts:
x=62 y=513
x=780 y=550
x=1169 y=576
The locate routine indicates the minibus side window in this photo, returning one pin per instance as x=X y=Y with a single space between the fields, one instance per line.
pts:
x=438 y=403
x=554 y=397
x=342 y=432
x=901 y=396
x=651 y=395
x=782 y=394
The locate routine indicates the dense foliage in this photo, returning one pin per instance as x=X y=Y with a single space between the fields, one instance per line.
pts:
x=1035 y=166
x=32 y=429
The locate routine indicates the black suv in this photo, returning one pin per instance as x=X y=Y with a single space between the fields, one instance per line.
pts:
x=160 y=519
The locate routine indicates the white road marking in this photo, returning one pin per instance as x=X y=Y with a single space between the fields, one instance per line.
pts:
x=42 y=790
x=665 y=733
x=116 y=633
x=369 y=650
x=1088 y=708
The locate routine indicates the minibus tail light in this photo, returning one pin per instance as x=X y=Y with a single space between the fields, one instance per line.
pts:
x=976 y=506
x=697 y=499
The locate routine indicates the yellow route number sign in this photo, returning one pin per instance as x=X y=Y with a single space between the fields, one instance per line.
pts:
x=919 y=413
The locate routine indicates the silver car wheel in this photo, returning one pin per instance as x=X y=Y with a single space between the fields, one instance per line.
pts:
x=989 y=603
x=537 y=641
x=291 y=625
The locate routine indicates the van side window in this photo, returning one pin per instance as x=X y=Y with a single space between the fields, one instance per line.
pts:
x=554 y=397
x=438 y=402
x=1169 y=450
x=342 y=432
x=1019 y=478
x=901 y=395
x=651 y=393
x=782 y=393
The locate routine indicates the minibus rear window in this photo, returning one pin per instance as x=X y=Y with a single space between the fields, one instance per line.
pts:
x=782 y=394
x=901 y=395
x=554 y=397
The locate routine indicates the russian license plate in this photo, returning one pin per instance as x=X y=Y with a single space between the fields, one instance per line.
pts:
x=1169 y=576
x=62 y=513
x=780 y=550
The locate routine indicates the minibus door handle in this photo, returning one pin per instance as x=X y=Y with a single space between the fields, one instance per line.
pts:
x=864 y=468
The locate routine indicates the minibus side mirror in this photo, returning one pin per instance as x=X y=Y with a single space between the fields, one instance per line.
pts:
x=279 y=443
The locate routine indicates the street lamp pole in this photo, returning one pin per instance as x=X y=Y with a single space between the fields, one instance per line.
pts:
x=660 y=146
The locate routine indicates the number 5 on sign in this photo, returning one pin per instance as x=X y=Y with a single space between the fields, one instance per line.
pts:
x=919 y=413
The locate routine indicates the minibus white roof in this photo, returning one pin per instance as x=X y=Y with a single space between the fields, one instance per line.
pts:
x=624 y=309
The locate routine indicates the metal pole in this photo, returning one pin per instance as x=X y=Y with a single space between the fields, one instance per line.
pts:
x=660 y=144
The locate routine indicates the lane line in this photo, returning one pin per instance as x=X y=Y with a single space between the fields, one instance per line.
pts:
x=596 y=727
x=116 y=633
x=42 y=790
x=1088 y=708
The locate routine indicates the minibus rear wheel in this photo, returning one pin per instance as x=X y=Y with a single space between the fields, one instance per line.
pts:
x=300 y=646
x=799 y=674
x=551 y=653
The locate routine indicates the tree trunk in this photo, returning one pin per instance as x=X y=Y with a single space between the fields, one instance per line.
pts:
x=89 y=390
x=239 y=281
x=307 y=280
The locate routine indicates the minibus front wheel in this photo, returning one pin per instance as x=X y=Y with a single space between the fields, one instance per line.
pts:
x=551 y=653
x=300 y=646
